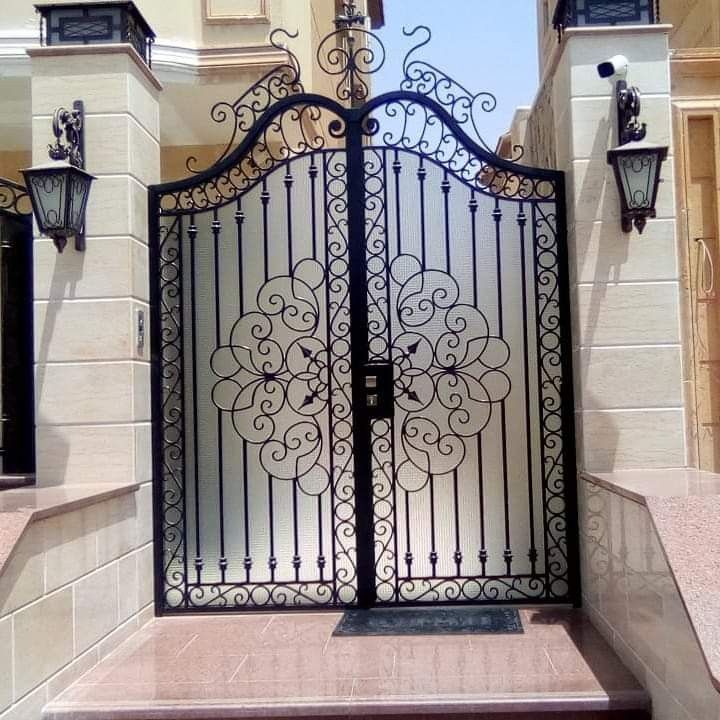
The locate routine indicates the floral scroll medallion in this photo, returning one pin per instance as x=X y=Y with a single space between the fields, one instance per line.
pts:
x=273 y=377
x=449 y=371
x=274 y=374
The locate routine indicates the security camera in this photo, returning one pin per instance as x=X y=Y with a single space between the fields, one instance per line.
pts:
x=616 y=66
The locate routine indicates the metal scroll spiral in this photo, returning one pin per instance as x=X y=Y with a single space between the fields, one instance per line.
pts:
x=448 y=383
x=550 y=356
x=278 y=83
x=14 y=198
x=273 y=377
x=407 y=124
x=296 y=130
x=465 y=108
x=173 y=476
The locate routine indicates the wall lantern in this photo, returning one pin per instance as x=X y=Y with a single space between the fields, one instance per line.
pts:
x=59 y=189
x=636 y=163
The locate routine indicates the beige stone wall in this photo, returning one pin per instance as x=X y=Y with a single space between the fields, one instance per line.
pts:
x=624 y=287
x=77 y=585
x=173 y=159
x=696 y=23
x=12 y=161
x=547 y=35
x=92 y=388
x=631 y=597
x=540 y=150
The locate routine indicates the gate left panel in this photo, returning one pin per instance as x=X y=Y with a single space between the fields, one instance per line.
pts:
x=255 y=458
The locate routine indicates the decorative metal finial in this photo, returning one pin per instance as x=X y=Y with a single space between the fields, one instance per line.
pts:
x=70 y=123
x=351 y=17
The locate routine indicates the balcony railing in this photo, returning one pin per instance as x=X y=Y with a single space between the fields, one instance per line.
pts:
x=96 y=23
x=580 y=13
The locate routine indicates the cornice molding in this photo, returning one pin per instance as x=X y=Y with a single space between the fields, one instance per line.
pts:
x=204 y=61
x=168 y=59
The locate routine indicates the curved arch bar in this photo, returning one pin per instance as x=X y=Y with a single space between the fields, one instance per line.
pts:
x=481 y=152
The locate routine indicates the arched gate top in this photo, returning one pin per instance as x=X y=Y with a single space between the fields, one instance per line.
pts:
x=430 y=114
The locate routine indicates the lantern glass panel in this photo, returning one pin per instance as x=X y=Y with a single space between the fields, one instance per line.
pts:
x=77 y=198
x=637 y=174
x=48 y=192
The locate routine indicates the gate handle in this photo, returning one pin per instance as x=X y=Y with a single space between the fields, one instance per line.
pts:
x=379 y=401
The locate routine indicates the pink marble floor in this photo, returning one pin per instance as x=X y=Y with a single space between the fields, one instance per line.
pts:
x=283 y=665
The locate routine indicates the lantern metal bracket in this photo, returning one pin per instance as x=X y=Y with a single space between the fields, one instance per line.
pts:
x=628 y=110
x=71 y=124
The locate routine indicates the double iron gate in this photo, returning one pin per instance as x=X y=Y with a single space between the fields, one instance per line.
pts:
x=361 y=352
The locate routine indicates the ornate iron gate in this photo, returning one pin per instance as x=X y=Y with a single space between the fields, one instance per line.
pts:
x=17 y=396
x=360 y=346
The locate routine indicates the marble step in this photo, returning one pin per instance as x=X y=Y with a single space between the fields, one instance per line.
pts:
x=292 y=665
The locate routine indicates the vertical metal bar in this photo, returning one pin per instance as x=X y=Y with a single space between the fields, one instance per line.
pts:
x=397 y=167
x=313 y=173
x=328 y=344
x=532 y=553
x=540 y=380
x=408 y=548
x=296 y=543
x=288 y=182
x=482 y=553
x=433 y=557
x=192 y=235
x=272 y=560
x=247 y=560
x=265 y=200
x=216 y=228
x=421 y=175
x=507 y=553
x=321 y=556
x=445 y=189
x=359 y=357
x=388 y=301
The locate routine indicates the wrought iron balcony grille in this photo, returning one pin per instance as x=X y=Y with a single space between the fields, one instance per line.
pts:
x=579 y=13
x=96 y=24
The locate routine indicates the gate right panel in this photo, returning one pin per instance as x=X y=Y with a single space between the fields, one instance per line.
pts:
x=465 y=300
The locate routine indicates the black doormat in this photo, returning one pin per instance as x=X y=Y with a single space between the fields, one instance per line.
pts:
x=430 y=621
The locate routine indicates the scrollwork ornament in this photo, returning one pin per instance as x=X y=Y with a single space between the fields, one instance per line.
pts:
x=14 y=199
x=465 y=108
x=279 y=83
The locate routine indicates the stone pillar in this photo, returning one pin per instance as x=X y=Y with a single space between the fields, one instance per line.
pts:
x=624 y=287
x=92 y=387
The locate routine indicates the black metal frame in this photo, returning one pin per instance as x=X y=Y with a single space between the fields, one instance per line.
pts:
x=17 y=387
x=276 y=107
x=96 y=25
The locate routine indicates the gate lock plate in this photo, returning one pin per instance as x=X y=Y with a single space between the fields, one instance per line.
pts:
x=379 y=390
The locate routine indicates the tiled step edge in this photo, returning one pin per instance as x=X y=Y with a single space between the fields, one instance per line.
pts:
x=635 y=700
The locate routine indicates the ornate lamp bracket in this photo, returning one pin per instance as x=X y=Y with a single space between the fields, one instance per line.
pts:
x=628 y=109
x=71 y=124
